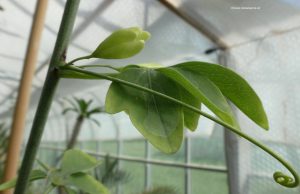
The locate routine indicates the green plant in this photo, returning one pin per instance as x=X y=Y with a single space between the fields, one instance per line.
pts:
x=160 y=101
x=109 y=174
x=83 y=110
x=72 y=175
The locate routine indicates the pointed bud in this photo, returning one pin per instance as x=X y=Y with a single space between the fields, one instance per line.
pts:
x=122 y=44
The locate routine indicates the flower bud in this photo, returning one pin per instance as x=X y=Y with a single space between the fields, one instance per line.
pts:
x=122 y=44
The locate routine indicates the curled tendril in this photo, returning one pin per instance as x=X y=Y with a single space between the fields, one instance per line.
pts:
x=279 y=177
x=285 y=180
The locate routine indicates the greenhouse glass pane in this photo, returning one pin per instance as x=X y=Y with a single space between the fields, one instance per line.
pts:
x=176 y=157
x=108 y=146
x=134 y=147
x=90 y=145
x=208 y=182
x=208 y=150
x=135 y=183
x=167 y=176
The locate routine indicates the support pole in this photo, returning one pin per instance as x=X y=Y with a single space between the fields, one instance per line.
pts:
x=47 y=96
x=21 y=108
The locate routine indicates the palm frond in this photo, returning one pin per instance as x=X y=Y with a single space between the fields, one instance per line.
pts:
x=69 y=109
x=95 y=121
x=95 y=111
x=72 y=103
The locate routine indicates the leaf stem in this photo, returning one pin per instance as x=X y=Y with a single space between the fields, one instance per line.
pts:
x=47 y=95
x=49 y=189
x=100 y=65
x=43 y=165
x=78 y=59
x=279 y=177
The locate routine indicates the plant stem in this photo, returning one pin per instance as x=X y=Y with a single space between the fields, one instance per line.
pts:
x=75 y=132
x=279 y=177
x=48 y=91
x=78 y=59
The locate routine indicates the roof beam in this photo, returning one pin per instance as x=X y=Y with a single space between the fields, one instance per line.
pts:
x=200 y=24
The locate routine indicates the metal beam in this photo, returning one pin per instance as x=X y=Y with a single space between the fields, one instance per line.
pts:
x=210 y=168
x=200 y=24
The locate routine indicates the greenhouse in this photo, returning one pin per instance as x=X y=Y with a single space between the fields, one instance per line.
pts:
x=149 y=97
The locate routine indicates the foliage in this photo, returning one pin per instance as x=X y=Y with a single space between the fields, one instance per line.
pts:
x=83 y=108
x=109 y=173
x=162 y=121
x=161 y=101
x=72 y=175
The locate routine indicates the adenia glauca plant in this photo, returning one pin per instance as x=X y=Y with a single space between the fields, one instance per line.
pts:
x=160 y=101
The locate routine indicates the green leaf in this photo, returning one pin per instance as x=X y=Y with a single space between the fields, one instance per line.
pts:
x=190 y=118
x=204 y=90
x=75 y=161
x=232 y=86
x=34 y=175
x=69 y=190
x=122 y=44
x=87 y=183
x=157 y=119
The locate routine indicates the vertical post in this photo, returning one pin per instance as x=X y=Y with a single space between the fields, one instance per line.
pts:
x=119 y=150
x=231 y=148
x=147 y=165
x=21 y=108
x=47 y=95
x=187 y=173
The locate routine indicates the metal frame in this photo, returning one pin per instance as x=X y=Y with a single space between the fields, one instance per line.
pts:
x=210 y=168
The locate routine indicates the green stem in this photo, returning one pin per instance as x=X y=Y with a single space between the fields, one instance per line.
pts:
x=78 y=59
x=48 y=91
x=43 y=165
x=100 y=65
x=279 y=177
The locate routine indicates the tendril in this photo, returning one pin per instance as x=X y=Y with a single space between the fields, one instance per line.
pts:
x=279 y=177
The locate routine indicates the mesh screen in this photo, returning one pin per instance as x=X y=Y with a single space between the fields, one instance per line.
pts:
x=271 y=65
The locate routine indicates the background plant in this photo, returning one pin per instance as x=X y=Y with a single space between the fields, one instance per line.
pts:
x=73 y=175
x=84 y=112
x=109 y=173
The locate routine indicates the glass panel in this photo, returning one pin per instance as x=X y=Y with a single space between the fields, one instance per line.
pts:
x=158 y=155
x=208 y=182
x=209 y=149
x=135 y=183
x=168 y=176
x=134 y=147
